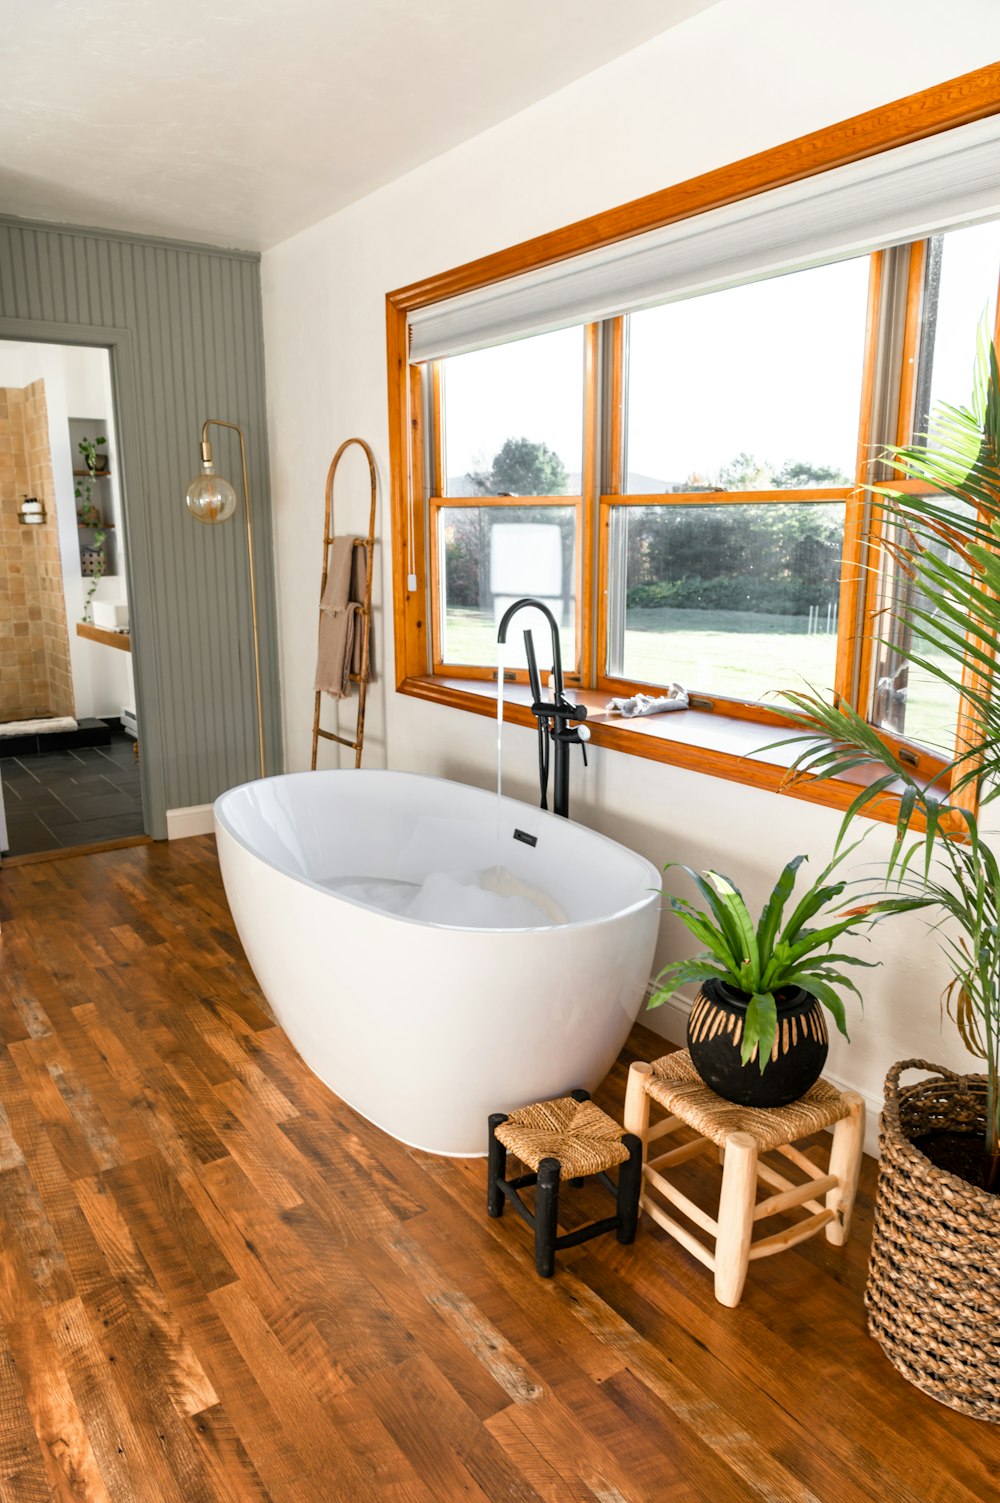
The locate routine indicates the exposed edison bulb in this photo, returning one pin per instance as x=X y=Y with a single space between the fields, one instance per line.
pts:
x=209 y=497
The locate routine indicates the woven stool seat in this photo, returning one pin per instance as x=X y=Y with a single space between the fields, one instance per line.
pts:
x=816 y=1199
x=566 y=1139
x=584 y=1139
x=676 y=1086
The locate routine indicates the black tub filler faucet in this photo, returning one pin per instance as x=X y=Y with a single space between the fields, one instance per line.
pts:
x=552 y=716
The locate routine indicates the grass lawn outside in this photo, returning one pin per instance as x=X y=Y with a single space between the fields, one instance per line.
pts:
x=470 y=637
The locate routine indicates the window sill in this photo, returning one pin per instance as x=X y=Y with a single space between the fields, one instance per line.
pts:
x=718 y=745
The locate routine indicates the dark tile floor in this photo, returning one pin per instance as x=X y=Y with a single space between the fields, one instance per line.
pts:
x=58 y=799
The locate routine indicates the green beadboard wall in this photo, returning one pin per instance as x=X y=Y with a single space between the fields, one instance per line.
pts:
x=183 y=325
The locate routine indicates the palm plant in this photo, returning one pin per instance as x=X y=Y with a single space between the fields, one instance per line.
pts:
x=769 y=957
x=946 y=546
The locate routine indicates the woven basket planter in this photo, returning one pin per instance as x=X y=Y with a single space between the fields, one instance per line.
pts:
x=933 y=1292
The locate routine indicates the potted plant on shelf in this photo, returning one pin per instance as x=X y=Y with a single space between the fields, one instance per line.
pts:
x=92 y=555
x=933 y=1292
x=96 y=464
x=756 y=1033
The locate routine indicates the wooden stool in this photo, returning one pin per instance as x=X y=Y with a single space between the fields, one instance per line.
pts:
x=742 y=1134
x=569 y=1138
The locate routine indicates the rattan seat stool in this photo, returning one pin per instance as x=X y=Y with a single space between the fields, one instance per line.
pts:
x=566 y=1139
x=741 y=1135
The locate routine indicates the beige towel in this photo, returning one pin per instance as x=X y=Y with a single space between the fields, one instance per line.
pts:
x=341 y=646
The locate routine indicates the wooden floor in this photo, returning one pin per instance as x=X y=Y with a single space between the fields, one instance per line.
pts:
x=217 y=1282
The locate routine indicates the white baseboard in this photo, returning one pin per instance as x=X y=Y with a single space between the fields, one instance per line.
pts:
x=670 y=1020
x=196 y=819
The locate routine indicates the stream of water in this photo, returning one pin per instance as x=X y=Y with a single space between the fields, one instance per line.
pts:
x=501 y=660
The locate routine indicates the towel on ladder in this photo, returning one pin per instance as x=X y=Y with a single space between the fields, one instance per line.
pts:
x=341 y=645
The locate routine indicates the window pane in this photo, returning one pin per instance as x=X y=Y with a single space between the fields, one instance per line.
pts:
x=737 y=600
x=754 y=388
x=960 y=286
x=513 y=418
x=491 y=555
x=906 y=698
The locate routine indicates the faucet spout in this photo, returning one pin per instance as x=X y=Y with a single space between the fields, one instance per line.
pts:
x=538 y=605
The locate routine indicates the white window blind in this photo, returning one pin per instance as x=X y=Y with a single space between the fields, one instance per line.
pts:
x=939 y=183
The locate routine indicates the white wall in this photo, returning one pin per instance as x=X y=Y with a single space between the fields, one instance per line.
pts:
x=743 y=76
x=78 y=385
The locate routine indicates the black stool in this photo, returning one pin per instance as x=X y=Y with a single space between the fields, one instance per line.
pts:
x=566 y=1139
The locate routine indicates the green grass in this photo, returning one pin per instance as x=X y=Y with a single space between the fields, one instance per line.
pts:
x=727 y=652
x=472 y=638
x=713 y=652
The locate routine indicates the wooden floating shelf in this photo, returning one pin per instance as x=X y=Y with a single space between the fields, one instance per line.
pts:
x=98 y=475
x=119 y=639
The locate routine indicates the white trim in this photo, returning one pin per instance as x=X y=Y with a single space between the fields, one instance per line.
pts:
x=670 y=1021
x=196 y=819
x=921 y=188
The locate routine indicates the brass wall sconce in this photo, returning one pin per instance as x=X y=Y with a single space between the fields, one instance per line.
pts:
x=212 y=499
x=31 y=512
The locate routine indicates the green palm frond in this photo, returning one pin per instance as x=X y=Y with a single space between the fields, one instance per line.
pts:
x=945 y=547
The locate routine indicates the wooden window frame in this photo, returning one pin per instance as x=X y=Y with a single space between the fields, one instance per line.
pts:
x=708 y=742
x=582 y=502
x=973 y=678
x=704 y=697
x=849 y=641
x=437 y=504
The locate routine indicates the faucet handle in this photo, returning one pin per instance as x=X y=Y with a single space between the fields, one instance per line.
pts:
x=579 y=736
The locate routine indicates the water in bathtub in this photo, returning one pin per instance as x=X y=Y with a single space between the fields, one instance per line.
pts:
x=489 y=899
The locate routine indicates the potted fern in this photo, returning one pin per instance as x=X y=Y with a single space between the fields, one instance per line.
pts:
x=756 y=1033
x=933 y=1291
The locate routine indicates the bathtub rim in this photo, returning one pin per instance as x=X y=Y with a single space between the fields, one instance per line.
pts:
x=222 y=820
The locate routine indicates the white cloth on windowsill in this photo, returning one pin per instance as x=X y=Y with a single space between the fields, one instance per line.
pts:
x=644 y=704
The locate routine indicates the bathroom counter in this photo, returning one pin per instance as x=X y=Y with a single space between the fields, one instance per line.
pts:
x=119 y=639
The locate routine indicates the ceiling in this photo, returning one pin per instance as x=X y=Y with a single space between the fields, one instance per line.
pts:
x=240 y=122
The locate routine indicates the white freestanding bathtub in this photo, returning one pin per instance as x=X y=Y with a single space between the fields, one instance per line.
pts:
x=422 y=1027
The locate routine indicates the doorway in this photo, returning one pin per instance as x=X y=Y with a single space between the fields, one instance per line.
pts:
x=69 y=773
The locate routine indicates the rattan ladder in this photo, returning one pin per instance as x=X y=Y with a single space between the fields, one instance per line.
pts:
x=364 y=609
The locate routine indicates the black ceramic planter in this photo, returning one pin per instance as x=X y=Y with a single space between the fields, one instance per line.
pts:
x=715 y=1033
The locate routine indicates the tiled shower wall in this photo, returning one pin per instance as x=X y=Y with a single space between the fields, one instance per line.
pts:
x=35 y=674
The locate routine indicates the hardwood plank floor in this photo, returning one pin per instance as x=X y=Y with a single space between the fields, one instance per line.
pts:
x=217 y=1282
